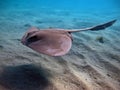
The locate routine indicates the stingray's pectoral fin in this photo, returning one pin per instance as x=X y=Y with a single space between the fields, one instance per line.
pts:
x=102 y=26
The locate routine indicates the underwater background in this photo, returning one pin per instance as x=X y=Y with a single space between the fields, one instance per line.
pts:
x=93 y=62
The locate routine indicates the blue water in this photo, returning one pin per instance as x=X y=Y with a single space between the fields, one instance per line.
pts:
x=18 y=14
x=74 y=5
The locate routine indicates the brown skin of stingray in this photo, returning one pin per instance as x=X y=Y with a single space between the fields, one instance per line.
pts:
x=51 y=42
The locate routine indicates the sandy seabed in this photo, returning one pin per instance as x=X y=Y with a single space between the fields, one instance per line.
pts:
x=93 y=62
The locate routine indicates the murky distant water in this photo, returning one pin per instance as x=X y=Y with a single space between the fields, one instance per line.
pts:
x=72 y=5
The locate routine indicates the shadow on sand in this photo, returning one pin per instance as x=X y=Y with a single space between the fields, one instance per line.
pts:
x=25 y=77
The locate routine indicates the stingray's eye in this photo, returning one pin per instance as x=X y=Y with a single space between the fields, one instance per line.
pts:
x=31 y=40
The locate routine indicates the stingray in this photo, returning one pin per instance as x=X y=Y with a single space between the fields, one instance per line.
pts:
x=55 y=42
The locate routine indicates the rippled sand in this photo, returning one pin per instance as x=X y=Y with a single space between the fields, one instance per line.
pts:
x=93 y=62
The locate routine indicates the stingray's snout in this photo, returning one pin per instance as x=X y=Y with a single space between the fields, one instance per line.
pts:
x=28 y=38
x=23 y=40
x=28 y=34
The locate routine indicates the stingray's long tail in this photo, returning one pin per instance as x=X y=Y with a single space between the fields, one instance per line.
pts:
x=95 y=28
